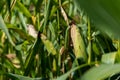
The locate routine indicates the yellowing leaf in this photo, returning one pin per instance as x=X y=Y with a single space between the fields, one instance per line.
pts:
x=78 y=43
x=54 y=65
x=48 y=44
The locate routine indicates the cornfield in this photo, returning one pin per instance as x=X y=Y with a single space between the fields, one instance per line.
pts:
x=59 y=40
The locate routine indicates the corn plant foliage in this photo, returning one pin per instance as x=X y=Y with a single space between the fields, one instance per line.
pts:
x=66 y=75
x=49 y=46
x=96 y=73
x=78 y=43
x=22 y=8
x=101 y=72
x=4 y=28
x=104 y=13
x=19 y=77
x=51 y=39
x=109 y=58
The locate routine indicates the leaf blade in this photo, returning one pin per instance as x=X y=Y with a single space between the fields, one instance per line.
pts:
x=78 y=43
x=4 y=28
x=104 y=13
x=105 y=70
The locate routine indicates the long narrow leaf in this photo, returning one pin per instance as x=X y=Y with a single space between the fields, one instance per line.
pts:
x=4 y=28
x=104 y=13
x=20 y=77
x=30 y=58
x=22 y=8
x=65 y=76
x=78 y=43
x=47 y=14
x=101 y=72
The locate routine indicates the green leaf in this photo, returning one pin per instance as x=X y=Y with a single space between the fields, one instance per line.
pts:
x=67 y=33
x=109 y=58
x=2 y=3
x=95 y=48
x=101 y=72
x=4 y=28
x=21 y=32
x=64 y=76
x=104 y=13
x=22 y=8
x=22 y=21
x=48 y=44
x=37 y=47
x=23 y=77
x=47 y=14
x=52 y=29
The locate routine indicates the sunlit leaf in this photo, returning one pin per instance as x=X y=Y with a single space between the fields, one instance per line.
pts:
x=109 y=58
x=101 y=72
x=78 y=43
x=21 y=32
x=22 y=8
x=48 y=44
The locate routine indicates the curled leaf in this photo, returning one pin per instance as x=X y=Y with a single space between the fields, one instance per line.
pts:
x=78 y=43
